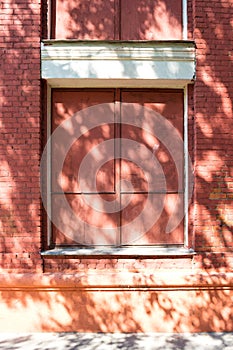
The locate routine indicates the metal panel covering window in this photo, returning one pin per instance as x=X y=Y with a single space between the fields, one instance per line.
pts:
x=116 y=20
x=121 y=180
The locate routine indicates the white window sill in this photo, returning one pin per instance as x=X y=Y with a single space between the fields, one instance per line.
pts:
x=119 y=252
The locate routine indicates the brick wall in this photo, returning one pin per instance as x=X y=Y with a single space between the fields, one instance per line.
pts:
x=210 y=143
x=116 y=294
x=20 y=134
x=213 y=94
x=210 y=119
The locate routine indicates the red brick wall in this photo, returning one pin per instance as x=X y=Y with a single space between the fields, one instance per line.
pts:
x=20 y=134
x=210 y=120
x=213 y=95
x=116 y=294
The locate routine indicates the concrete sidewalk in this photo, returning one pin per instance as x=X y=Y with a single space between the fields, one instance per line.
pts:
x=90 y=341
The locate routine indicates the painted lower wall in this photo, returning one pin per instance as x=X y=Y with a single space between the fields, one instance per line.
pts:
x=165 y=301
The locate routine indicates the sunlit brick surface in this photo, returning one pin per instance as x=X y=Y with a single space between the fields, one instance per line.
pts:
x=192 y=293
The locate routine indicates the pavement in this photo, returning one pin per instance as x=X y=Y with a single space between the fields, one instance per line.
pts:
x=103 y=341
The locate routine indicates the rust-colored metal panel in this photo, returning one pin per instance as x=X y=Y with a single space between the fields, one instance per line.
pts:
x=167 y=102
x=151 y=20
x=145 y=204
x=153 y=167
x=67 y=102
x=134 y=176
x=76 y=222
x=147 y=217
x=64 y=106
x=161 y=131
x=85 y=19
x=109 y=20
x=82 y=174
x=84 y=221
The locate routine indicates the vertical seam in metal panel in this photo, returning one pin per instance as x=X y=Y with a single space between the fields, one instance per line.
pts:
x=117 y=119
x=117 y=20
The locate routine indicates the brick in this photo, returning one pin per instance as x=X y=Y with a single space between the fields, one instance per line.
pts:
x=210 y=133
x=20 y=30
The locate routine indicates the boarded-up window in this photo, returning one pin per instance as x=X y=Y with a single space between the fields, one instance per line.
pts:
x=116 y=19
x=118 y=183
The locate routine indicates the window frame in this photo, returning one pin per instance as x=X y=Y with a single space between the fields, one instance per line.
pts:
x=161 y=250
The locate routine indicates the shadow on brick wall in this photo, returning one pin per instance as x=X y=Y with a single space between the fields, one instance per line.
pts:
x=204 y=306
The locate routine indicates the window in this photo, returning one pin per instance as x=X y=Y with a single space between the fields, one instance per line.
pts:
x=117 y=110
x=110 y=201
x=109 y=20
